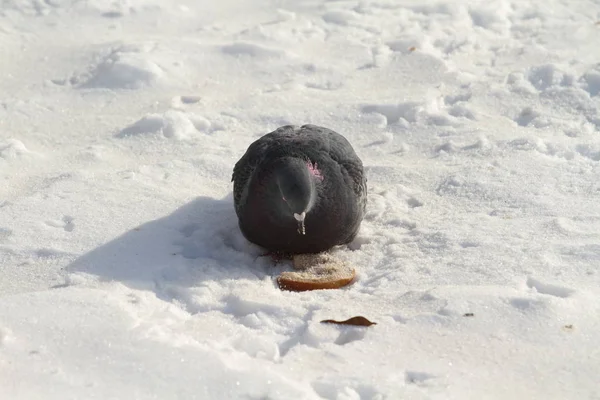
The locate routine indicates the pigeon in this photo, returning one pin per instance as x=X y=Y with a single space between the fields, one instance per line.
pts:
x=300 y=190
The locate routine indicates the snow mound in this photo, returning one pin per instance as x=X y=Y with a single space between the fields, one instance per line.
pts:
x=13 y=148
x=434 y=112
x=341 y=17
x=548 y=78
x=171 y=124
x=125 y=68
x=590 y=81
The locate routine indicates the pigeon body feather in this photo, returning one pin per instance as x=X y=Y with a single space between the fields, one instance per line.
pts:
x=316 y=167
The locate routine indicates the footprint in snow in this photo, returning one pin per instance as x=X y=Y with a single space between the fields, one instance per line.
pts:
x=65 y=223
x=350 y=334
x=549 y=289
x=418 y=378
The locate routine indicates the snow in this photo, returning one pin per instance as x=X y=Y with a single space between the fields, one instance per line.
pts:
x=123 y=273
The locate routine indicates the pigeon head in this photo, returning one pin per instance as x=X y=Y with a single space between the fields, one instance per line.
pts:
x=296 y=189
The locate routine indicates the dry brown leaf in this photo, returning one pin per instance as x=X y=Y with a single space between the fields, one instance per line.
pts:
x=412 y=48
x=355 y=321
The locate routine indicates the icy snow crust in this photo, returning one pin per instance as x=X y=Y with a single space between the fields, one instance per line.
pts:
x=123 y=274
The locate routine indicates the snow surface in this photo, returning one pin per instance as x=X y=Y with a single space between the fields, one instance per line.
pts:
x=123 y=274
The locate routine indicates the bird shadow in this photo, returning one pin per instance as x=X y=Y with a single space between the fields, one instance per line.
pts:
x=198 y=242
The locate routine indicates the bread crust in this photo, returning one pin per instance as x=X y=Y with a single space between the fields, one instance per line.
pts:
x=316 y=272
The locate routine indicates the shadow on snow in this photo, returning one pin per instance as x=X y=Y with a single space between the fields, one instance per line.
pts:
x=198 y=242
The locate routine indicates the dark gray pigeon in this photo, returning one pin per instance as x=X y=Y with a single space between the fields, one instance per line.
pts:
x=300 y=190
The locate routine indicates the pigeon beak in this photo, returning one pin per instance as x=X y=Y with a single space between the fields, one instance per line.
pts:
x=300 y=218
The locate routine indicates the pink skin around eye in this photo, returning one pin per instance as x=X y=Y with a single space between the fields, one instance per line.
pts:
x=314 y=170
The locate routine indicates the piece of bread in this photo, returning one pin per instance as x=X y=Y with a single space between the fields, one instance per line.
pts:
x=316 y=271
